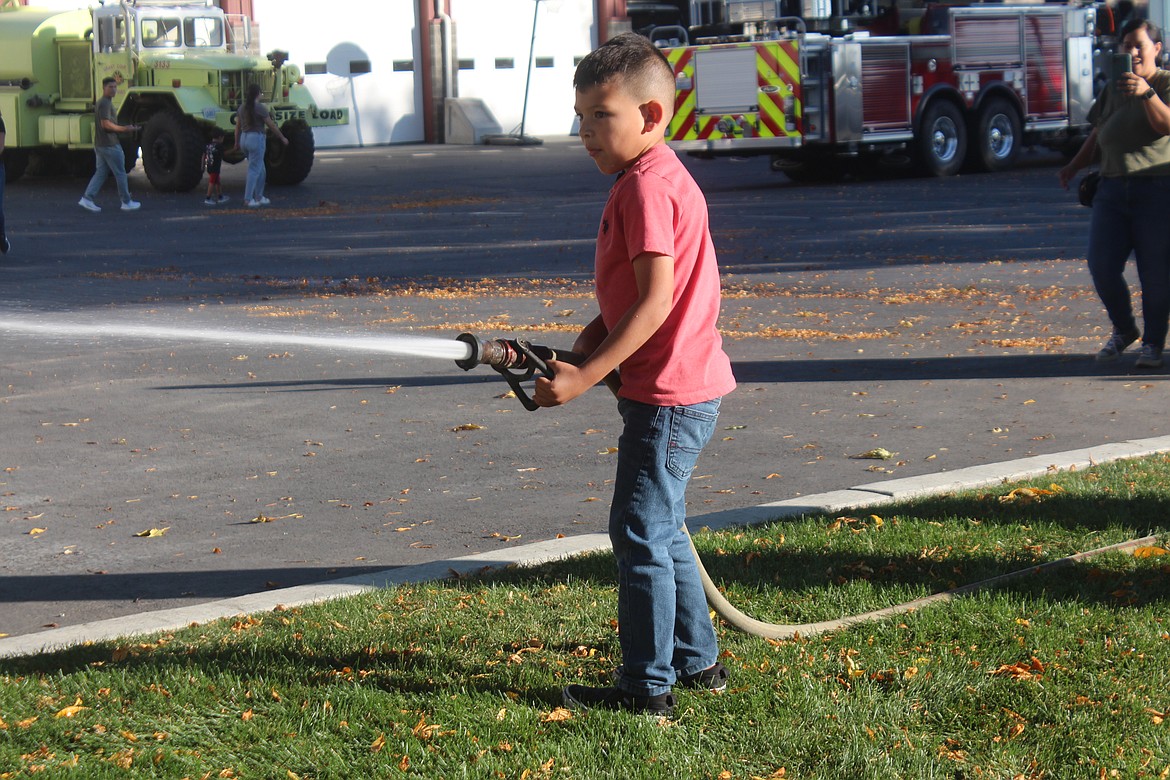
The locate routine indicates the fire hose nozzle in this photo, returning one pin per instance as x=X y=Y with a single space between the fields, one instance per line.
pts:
x=496 y=353
x=518 y=361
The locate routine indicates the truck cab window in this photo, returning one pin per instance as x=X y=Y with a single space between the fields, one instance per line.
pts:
x=161 y=34
x=202 y=32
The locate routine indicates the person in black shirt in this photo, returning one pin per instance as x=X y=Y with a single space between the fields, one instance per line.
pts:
x=212 y=162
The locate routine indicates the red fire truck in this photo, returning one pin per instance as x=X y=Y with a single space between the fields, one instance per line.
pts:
x=944 y=86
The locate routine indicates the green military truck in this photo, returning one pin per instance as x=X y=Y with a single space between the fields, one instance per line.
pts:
x=182 y=69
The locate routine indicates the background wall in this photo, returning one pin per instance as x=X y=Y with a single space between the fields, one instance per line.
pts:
x=491 y=40
x=491 y=36
x=344 y=38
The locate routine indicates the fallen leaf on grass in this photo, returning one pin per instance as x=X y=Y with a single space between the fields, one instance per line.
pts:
x=1031 y=670
x=152 y=533
x=72 y=710
x=1140 y=552
x=777 y=775
x=556 y=716
x=1027 y=495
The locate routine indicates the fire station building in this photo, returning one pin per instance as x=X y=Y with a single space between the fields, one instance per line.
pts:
x=431 y=71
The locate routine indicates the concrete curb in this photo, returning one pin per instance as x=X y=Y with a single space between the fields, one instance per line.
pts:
x=867 y=495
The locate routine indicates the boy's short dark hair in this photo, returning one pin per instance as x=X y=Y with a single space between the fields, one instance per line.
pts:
x=644 y=69
x=108 y=80
x=217 y=133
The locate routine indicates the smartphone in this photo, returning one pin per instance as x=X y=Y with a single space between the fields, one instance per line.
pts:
x=1119 y=65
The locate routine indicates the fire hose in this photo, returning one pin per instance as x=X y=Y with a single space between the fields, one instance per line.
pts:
x=518 y=361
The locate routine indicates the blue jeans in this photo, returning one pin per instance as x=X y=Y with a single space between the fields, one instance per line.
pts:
x=255 y=145
x=110 y=159
x=663 y=623
x=1129 y=215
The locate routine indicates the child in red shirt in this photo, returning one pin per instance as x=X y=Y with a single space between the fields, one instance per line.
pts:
x=658 y=291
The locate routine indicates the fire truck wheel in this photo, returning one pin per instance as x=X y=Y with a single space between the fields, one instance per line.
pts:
x=291 y=164
x=942 y=139
x=172 y=152
x=996 y=136
x=15 y=164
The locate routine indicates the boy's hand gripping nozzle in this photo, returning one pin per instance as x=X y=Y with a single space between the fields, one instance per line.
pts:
x=518 y=361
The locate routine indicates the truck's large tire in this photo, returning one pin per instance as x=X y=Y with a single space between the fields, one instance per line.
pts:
x=996 y=136
x=942 y=139
x=172 y=152
x=15 y=164
x=291 y=164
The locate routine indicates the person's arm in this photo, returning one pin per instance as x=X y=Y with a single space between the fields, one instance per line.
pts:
x=1085 y=155
x=590 y=337
x=272 y=126
x=654 y=275
x=114 y=127
x=1157 y=112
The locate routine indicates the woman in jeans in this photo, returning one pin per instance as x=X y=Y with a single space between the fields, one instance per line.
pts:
x=1131 y=133
x=252 y=123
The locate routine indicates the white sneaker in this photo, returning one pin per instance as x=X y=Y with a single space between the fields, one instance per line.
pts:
x=131 y=205
x=224 y=198
x=89 y=205
x=263 y=201
x=254 y=204
x=209 y=201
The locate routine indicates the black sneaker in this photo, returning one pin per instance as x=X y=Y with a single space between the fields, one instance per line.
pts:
x=1116 y=345
x=582 y=697
x=5 y=245
x=713 y=679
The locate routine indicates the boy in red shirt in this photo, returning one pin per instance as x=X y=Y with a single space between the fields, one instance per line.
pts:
x=658 y=291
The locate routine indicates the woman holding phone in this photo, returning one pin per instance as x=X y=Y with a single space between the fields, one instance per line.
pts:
x=1131 y=138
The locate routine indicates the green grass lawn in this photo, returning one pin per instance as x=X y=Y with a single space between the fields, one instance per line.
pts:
x=1063 y=674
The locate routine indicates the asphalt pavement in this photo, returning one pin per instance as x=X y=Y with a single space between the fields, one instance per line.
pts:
x=200 y=405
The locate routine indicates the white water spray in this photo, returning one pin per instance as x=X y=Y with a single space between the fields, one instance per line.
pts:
x=412 y=346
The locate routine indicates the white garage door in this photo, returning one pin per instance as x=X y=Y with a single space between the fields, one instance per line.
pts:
x=358 y=55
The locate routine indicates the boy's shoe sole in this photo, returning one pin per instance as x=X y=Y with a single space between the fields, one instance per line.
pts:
x=584 y=698
x=714 y=679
